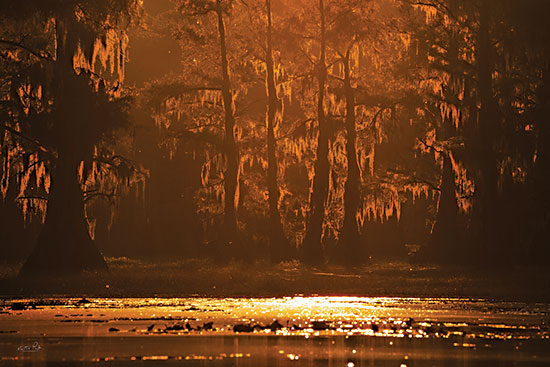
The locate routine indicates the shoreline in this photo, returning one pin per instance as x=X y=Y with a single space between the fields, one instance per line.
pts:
x=132 y=278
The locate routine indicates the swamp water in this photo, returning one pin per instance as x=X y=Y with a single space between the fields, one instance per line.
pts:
x=288 y=331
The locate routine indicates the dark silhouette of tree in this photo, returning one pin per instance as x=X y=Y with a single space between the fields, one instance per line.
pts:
x=526 y=60
x=230 y=147
x=350 y=232
x=312 y=249
x=279 y=246
x=486 y=99
x=66 y=112
x=205 y=28
x=444 y=53
x=347 y=35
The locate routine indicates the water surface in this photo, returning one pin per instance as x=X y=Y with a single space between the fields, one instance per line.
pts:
x=312 y=331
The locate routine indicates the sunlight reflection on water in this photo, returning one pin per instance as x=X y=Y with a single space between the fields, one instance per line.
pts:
x=375 y=316
x=270 y=331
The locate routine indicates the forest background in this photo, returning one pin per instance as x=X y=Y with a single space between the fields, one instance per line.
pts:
x=315 y=131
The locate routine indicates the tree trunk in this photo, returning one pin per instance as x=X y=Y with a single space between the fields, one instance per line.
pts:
x=539 y=248
x=312 y=248
x=443 y=242
x=485 y=207
x=279 y=246
x=229 y=234
x=349 y=239
x=64 y=246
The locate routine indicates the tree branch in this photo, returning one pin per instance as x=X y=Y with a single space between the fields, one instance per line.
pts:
x=431 y=147
x=31 y=198
x=21 y=46
x=336 y=77
x=89 y=195
x=40 y=146
x=299 y=124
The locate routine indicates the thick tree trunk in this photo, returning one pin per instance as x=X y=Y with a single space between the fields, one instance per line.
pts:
x=444 y=242
x=279 y=246
x=349 y=238
x=312 y=248
x=485 y=207
x=444 y=239
x=64 y=246
x=229 y=235
x=539 y=248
